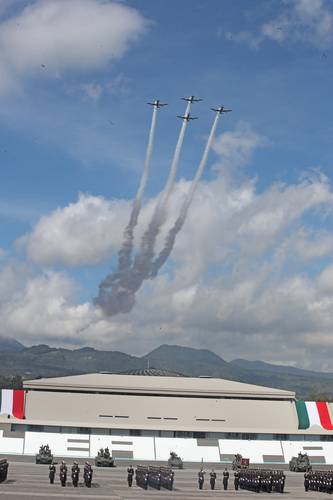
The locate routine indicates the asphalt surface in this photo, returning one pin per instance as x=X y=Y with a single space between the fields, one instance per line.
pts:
x=29 y=481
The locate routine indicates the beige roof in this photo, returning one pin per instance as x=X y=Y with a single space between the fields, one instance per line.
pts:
x=175 y=386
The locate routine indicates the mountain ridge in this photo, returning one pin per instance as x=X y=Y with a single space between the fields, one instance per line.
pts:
x=44 y=361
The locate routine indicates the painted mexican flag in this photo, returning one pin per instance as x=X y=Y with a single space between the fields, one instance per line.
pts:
x=12 y=402
x=313 y=413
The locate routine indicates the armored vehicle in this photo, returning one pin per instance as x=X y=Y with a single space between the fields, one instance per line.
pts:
x=44 y=456
x=104 y=458
x=3 y=470
x=301 y=463
x=240 y=463
x=175 y=461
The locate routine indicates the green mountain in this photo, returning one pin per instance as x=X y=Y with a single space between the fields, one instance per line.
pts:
x=44 y=361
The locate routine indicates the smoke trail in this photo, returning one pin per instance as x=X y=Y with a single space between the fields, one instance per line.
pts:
x=143 y=261
x=124 y=254
x=171 y=237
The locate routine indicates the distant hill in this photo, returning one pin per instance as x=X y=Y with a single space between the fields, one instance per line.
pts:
x=44 y=361
x=262 y=366
x=7 y=344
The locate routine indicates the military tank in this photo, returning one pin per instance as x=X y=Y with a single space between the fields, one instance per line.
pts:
x=44 y=456
x=301 y=463
x=175 y=461
x=3 y=469
x=104 y=458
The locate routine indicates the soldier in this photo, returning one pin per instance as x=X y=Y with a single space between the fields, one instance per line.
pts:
x=212 y=479
x=75 y=474
x=63 y=473
x=236 y=480
x=52 y=472
x=87 y=474
x=225 y=479
x=130 y=473
x=306 y=481
x=201 y=478
x=107 y=452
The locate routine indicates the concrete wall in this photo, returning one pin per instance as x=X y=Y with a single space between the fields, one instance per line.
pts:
x=150 y=448
x=152 y=412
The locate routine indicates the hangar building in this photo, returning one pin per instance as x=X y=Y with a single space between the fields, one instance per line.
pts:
x=145 y=417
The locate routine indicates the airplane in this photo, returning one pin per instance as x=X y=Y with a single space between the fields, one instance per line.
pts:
x=157 y=103
x=187 y=117
x=191 y=99
x=221 y=110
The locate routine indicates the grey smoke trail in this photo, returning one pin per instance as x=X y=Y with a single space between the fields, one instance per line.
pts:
x=143 y=261
x=171 y=237
x=124 y=254
x=124 y=285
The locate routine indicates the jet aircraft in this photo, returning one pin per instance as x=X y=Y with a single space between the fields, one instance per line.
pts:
x=157 y=103
x=221 y=110
x=191 y=99
x=187 y=117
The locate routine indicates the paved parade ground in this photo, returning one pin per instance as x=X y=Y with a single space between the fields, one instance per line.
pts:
x=30 y=482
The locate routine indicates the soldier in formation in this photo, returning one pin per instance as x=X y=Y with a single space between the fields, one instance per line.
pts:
x=142 y=476
x=201 y=478
x=225 y=478
x=3 y=469
x=319 y=480
x=258 y=480
x=130 y=474
x=87 y=474
x=52 y=472
x=75 y=474
x=63 y=473
x=212 y=479
x=236 y=480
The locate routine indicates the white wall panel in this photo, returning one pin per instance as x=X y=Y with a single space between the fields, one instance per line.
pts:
x=59 y=443
x=142 y=447
x=254 y=450
x=187 y=449
x=11 y=445
x=292 y=448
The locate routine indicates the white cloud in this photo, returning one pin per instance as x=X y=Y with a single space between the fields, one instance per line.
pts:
x=86 y=232
x=240 y=279
x=49 y=37
x=236 y=148
x=307 y=21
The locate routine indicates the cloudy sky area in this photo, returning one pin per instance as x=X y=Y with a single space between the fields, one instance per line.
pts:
x=251 y=274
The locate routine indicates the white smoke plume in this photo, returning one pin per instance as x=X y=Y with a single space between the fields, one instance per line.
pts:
x=171 y=237
x=117 y=291
x=143 y=261
x=125 y=253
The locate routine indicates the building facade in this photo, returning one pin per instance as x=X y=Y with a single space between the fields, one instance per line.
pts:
x=146 y=417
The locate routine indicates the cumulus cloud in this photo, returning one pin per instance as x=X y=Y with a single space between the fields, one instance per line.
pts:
x=86 y=232
x=236 y=148
x=249 y=275
x=307 y=21
x=50 y=37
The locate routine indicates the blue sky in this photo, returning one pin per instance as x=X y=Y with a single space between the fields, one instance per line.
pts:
x=74 y=119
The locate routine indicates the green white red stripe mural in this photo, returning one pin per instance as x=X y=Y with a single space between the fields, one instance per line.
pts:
x=12 y=402
x=314 y=413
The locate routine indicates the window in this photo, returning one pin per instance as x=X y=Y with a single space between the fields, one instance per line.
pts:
x=233 y=435
x=83 y=430
x=248 y=436
x=36 y=428
x=326 y=438
x=183 y=434
x=135 y=432
x=199 y=435
x=281 y=437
